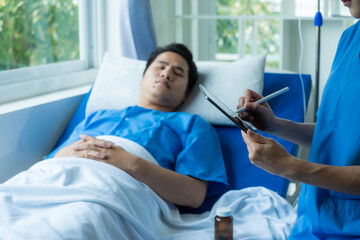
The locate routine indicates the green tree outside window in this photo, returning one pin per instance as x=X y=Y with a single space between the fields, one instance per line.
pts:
x=268 y=32
x=38 y=32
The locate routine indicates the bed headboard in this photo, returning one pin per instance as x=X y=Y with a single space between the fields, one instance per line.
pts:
x=241 y=173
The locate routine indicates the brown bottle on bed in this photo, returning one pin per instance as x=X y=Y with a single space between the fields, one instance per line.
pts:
x=223 y=224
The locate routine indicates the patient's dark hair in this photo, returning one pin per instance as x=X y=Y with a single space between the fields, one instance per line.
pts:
x=183 y=51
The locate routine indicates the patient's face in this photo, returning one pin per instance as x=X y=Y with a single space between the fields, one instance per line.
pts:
x=165 y=81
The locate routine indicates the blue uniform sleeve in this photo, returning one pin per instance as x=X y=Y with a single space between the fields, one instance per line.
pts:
x=201 y=156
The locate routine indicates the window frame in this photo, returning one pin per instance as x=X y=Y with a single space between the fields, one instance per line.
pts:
x=51 y=77
x=287 y=14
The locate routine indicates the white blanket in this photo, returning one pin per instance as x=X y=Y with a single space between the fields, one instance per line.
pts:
x=77 y=198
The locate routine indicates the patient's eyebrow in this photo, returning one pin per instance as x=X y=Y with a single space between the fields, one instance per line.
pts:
x=167 y=64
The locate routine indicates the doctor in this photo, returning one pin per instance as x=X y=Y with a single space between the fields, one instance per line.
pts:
x=329 y=202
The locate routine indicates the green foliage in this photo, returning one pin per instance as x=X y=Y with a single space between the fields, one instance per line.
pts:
x=38 y=32
x=268 y=31
x=246 y=7
x=227 y=36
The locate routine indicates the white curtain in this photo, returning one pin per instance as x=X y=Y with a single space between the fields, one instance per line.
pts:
x=134 y=28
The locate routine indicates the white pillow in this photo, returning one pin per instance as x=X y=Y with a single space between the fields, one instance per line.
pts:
x=118 y=85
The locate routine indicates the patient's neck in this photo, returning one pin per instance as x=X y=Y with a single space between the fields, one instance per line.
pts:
x=155 y=106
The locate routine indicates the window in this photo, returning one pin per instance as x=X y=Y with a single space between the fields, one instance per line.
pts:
x=240 y=27
x=38 y=32
x=225 y=30
x=48 y=45
x=248 y=35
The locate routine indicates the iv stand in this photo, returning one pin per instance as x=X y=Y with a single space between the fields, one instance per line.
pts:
x=318 y=22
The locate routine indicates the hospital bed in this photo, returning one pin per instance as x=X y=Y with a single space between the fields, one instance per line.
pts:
x=241 y=173
x=249 y=186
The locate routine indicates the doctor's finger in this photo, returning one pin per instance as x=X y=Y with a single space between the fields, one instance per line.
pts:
x=248 y=142
x=257 y=138
x=240 y=102
x=251 y=96
x=242 y=115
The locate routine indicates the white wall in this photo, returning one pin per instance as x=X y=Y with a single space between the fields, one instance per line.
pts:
x=111 y=21
x=330 y=35
x=164 y=15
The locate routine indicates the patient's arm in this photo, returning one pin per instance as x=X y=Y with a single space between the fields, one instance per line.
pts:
x=170 y=185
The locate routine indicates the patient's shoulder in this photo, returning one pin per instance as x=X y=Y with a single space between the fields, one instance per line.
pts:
x=194 y=122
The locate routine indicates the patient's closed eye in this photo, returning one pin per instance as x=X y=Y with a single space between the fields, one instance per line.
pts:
x=162 y=64
x=178 y=73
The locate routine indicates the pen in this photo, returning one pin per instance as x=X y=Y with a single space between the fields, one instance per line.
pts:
x=268 y=97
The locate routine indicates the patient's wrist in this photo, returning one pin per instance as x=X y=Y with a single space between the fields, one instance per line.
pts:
x=133 y=165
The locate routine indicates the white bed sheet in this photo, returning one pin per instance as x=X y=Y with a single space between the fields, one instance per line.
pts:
x=77 y=198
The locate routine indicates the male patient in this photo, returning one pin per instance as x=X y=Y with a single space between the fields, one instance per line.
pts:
x=185 y=146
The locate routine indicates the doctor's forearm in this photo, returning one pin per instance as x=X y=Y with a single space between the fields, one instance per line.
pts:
x=334 y=178
x=298 y=133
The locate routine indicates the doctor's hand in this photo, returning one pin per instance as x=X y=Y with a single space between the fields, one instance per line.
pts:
x=268 y=154
x=259 y=115
x=86 y=147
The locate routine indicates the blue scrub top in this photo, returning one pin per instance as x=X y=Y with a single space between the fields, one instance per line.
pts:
x=179 y=141
x=324 y=214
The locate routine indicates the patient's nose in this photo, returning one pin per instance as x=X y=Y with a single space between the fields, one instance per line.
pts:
x=166 y=73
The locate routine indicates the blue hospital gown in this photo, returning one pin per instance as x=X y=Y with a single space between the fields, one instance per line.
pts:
x=325 y=214
x=179 y=141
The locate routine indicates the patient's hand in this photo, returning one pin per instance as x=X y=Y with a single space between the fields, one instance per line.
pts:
x=110 y=153
x=100 y=150
x=86 y=147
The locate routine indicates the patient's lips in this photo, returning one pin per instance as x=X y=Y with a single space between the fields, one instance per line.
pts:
x=163 y=83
